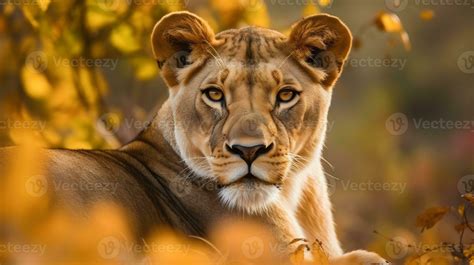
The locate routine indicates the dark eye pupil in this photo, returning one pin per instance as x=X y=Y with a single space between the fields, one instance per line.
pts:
x=286 y=95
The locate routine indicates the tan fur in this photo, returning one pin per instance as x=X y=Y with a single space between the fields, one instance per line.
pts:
x=250 y=65
x=188 y=140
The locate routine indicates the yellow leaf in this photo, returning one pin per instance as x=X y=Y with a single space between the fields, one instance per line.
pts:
x=29 y=12
x=427 y=14
x=123 y=38
x=44 y=4
x=469 y=197
x=36 y=85
x=146 y=69
x=319 y=254
x=461 y=209
x=297 y=257
x=310 y=9
x=87 y=85
x=257 y=14
x=388 y=22
x=430 y=217
x=405 y=40
x=324 y=3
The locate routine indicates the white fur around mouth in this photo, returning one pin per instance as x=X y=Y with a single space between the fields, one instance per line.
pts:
x=249 y=194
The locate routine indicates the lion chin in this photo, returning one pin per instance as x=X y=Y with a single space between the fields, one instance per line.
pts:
x=249 y=194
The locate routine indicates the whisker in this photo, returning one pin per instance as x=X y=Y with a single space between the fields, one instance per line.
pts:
x=284 y=60
x=216 y=55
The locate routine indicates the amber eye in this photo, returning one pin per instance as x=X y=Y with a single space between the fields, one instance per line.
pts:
x=214 y=94
x=286 y=95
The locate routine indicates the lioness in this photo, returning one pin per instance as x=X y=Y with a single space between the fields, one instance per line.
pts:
x=247 y=112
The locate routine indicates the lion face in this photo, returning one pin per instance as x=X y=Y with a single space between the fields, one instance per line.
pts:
x=249 y=105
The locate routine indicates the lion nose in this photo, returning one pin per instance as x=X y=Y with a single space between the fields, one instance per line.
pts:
x=249 y=153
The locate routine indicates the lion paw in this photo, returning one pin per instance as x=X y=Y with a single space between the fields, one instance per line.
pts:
x=359 y=257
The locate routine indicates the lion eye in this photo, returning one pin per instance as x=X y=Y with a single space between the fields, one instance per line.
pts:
x=214 y=94
x=286 y=95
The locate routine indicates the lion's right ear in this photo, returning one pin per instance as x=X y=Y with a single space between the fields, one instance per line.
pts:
x=175 y=38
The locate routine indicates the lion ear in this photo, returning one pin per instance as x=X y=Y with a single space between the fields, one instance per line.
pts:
x=322 y=41
x=175 y=37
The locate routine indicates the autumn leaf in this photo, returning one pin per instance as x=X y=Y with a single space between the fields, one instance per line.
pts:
x=44 y=4
x=297 y=257
x=405 y=40
x=461 y=210
x=388 y=22
x=324 y=3
x=310 y=9
x=427 y=14
x=124 y=39
x=430 y=217
x=469 y=197
x=319 y=254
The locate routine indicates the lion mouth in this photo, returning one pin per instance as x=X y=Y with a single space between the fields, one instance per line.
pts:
x=251 y=180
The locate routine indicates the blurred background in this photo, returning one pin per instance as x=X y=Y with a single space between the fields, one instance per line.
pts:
x=80 y=74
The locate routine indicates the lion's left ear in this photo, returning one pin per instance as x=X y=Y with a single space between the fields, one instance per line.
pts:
x=322 y=41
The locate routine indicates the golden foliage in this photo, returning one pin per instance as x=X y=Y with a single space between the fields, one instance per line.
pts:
x=427 y=14
x=430 y=217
